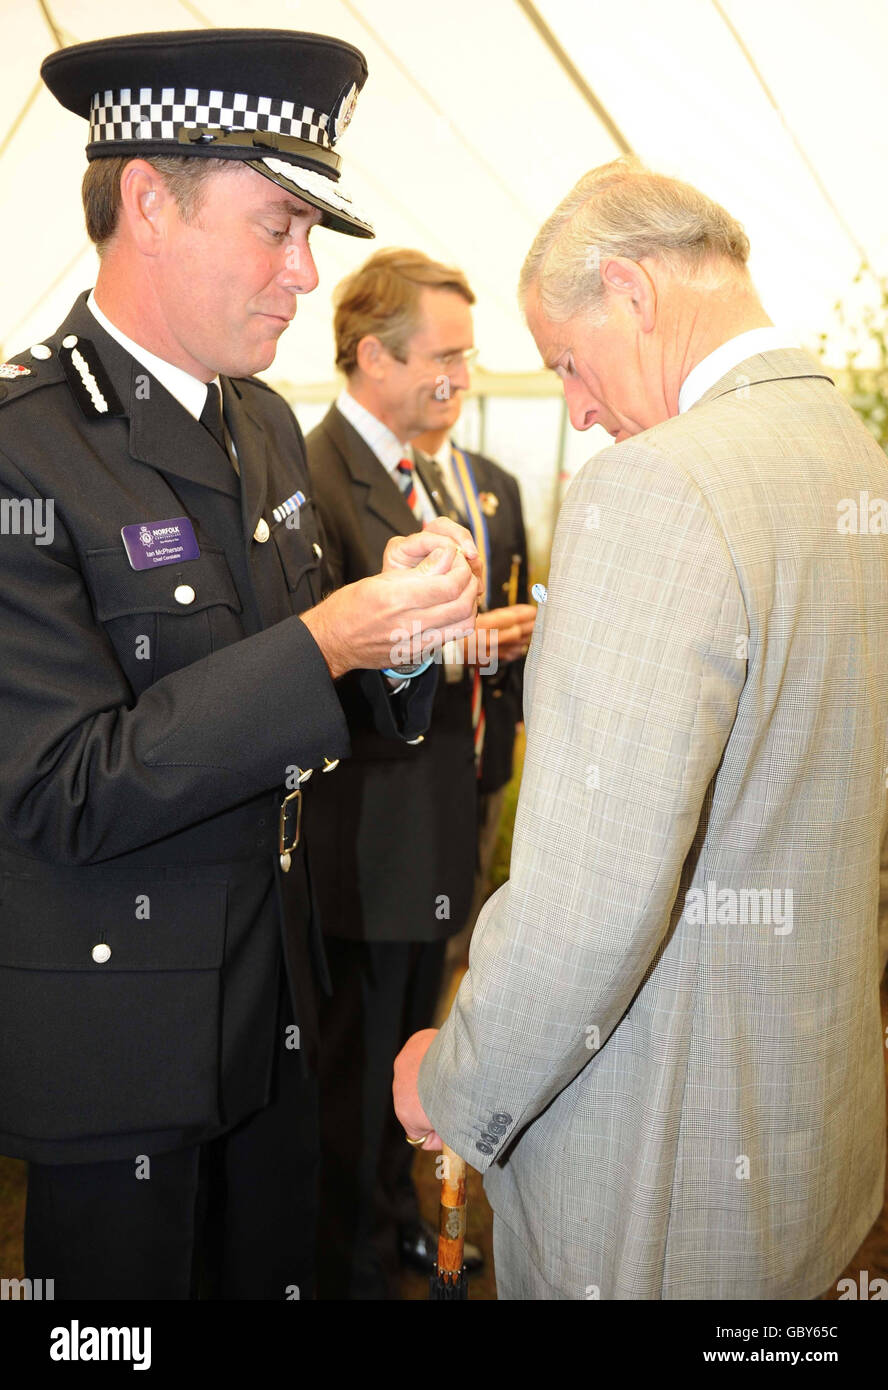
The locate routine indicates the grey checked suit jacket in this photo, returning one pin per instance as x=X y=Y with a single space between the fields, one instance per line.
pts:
x=667 y=1053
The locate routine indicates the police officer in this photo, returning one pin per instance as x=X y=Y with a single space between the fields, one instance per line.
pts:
x=163 y=702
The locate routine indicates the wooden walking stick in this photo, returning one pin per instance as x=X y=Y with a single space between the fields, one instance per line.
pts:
x=450 y=1280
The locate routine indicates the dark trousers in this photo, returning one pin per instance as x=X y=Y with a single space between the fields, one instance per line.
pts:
x=232 y=1219
x=382 y=993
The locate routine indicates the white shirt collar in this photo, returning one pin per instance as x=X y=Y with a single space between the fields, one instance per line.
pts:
x=385 y=445
x=187 y=389
x=377 y=436
x=712 y=368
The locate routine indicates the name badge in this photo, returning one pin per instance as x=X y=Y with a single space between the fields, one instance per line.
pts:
x=150 y=543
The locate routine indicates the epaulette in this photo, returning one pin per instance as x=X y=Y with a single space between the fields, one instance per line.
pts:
x=28 y=371
x=74 y=360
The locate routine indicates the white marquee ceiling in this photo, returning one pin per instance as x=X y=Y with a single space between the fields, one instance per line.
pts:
x=469 y=130
x=477 y=117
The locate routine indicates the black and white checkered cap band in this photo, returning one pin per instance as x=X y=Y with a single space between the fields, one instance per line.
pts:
x=146 y=113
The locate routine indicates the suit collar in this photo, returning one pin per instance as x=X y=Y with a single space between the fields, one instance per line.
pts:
x=380 y=493
x=783 y=364
x=188 y=390
x=162 y=432
x=252 y=443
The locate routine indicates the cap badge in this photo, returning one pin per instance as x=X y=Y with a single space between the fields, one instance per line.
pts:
x=346 y=110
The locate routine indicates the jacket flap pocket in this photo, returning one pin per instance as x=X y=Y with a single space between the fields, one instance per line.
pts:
x=297 y=545
x=119 y=590
x=126 y=922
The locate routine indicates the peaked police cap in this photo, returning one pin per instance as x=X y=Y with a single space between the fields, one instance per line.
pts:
x=275 y=99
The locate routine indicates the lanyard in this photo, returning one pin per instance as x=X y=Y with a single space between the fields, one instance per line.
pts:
x=463 y=472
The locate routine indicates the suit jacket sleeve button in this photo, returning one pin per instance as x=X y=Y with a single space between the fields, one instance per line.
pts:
x=502 y=1119
x=484 y=1148
x=183 y=593
x=101 y=953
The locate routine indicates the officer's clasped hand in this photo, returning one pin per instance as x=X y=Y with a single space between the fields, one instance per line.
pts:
x=426 y=594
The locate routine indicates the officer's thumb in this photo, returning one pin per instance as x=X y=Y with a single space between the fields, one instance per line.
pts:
x=438 y=561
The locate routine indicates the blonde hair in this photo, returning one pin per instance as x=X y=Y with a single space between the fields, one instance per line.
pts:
x=382 y=298
x=624 y=209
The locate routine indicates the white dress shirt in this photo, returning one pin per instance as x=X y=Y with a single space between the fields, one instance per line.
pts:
x=187 y=389
x=736 y=350
x=385 y=445
x=389 y=450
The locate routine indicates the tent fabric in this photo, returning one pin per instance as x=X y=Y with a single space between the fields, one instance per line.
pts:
x=469 y=131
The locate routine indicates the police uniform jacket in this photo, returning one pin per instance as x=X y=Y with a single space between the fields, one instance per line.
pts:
x=142 y=903
x=395 y=858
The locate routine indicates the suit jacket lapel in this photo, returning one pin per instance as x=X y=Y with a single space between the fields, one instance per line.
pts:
x=251 y=442
x=162 y=433
x=375 y=489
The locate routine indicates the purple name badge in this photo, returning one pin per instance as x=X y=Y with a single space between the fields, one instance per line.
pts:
x=150 y=543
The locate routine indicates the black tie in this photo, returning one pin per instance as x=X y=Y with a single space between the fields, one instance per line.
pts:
x=211 y=415
x=212 y=420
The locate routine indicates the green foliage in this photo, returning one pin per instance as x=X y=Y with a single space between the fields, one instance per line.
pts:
x=865 y=384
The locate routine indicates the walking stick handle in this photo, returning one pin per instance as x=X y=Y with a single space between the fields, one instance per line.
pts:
x=452 y=1221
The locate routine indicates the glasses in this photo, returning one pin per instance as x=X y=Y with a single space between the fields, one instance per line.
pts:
x=446 y=360
x=449 y=360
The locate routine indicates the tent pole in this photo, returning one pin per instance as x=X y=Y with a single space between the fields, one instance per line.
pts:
x=561 y=57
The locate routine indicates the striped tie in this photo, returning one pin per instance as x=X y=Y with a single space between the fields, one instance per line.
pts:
x=479 y=719
x=408 y=486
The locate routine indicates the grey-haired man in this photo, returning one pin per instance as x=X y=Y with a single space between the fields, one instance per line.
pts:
x=666 y=1056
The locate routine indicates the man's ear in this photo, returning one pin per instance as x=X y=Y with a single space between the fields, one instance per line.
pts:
x=631 y=279
x=369 y=356
x=145 y=205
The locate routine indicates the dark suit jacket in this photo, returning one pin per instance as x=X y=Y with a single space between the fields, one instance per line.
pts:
x=140 y=782
x=393 y=839
x=503 y=692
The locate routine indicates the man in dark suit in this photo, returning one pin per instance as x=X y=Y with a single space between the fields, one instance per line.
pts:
x=163 y=701
x=490 y=503
x=393 y=856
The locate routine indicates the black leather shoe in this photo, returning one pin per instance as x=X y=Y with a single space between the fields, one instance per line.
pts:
x=418 y=1248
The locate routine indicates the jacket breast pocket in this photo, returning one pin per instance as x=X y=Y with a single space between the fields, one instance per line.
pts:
x=299 y=548
x=109 y=1003
x=164 y=618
